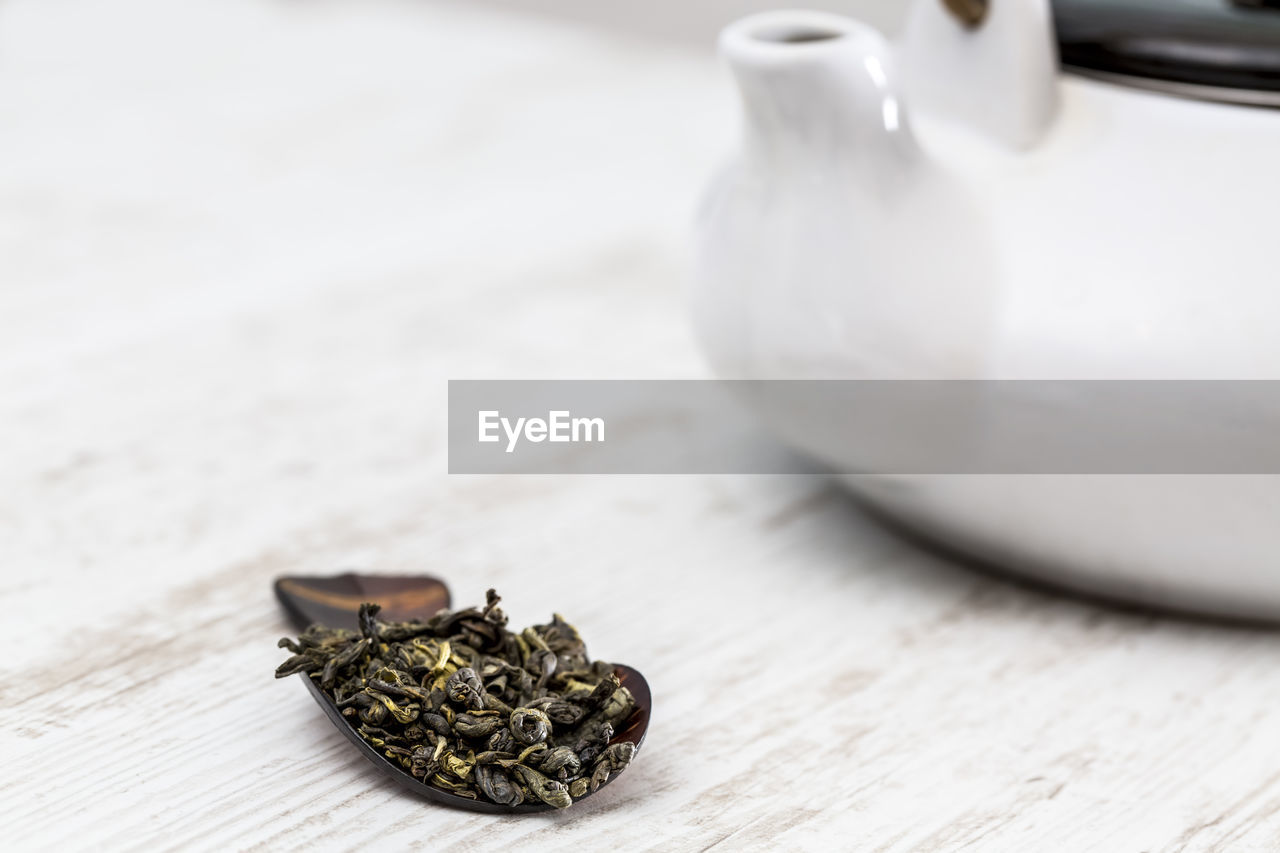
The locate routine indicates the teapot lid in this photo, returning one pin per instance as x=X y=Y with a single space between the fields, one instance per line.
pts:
x=1224 y=50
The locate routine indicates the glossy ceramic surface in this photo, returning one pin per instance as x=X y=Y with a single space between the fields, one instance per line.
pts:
x=950 y=207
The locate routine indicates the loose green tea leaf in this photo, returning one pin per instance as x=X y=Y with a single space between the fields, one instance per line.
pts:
x=472 y=708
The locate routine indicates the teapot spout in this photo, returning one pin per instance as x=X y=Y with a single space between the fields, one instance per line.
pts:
x=819 y=95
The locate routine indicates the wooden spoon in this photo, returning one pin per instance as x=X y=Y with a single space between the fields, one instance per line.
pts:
x=334 y=602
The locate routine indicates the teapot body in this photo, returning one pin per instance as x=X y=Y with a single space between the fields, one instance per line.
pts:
x=1129 y=242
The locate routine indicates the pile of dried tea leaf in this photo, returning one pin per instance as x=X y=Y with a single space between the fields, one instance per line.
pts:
x=468 y=706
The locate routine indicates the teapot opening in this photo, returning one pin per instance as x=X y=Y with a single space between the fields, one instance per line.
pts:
x=778 y=32
x=795 y=35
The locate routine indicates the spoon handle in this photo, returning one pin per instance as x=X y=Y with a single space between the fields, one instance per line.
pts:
x=335 y=601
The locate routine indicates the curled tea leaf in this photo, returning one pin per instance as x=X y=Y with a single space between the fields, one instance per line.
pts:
x=464 y=687
x=495 y=783
x=614 y=759
x=529 y=725
x=550 y=791
x=561 y=761
x=469 y=725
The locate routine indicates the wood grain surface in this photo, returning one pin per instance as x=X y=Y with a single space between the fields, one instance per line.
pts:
x=243 y=245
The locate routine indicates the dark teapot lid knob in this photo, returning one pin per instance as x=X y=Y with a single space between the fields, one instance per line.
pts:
x=970 y=13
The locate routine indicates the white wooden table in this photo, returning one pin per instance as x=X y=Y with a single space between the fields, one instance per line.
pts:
x=244 y=244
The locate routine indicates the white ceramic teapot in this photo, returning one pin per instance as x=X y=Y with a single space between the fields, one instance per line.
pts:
x=960 y=205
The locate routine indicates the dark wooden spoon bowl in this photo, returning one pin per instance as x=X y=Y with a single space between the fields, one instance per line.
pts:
x=334 y=602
